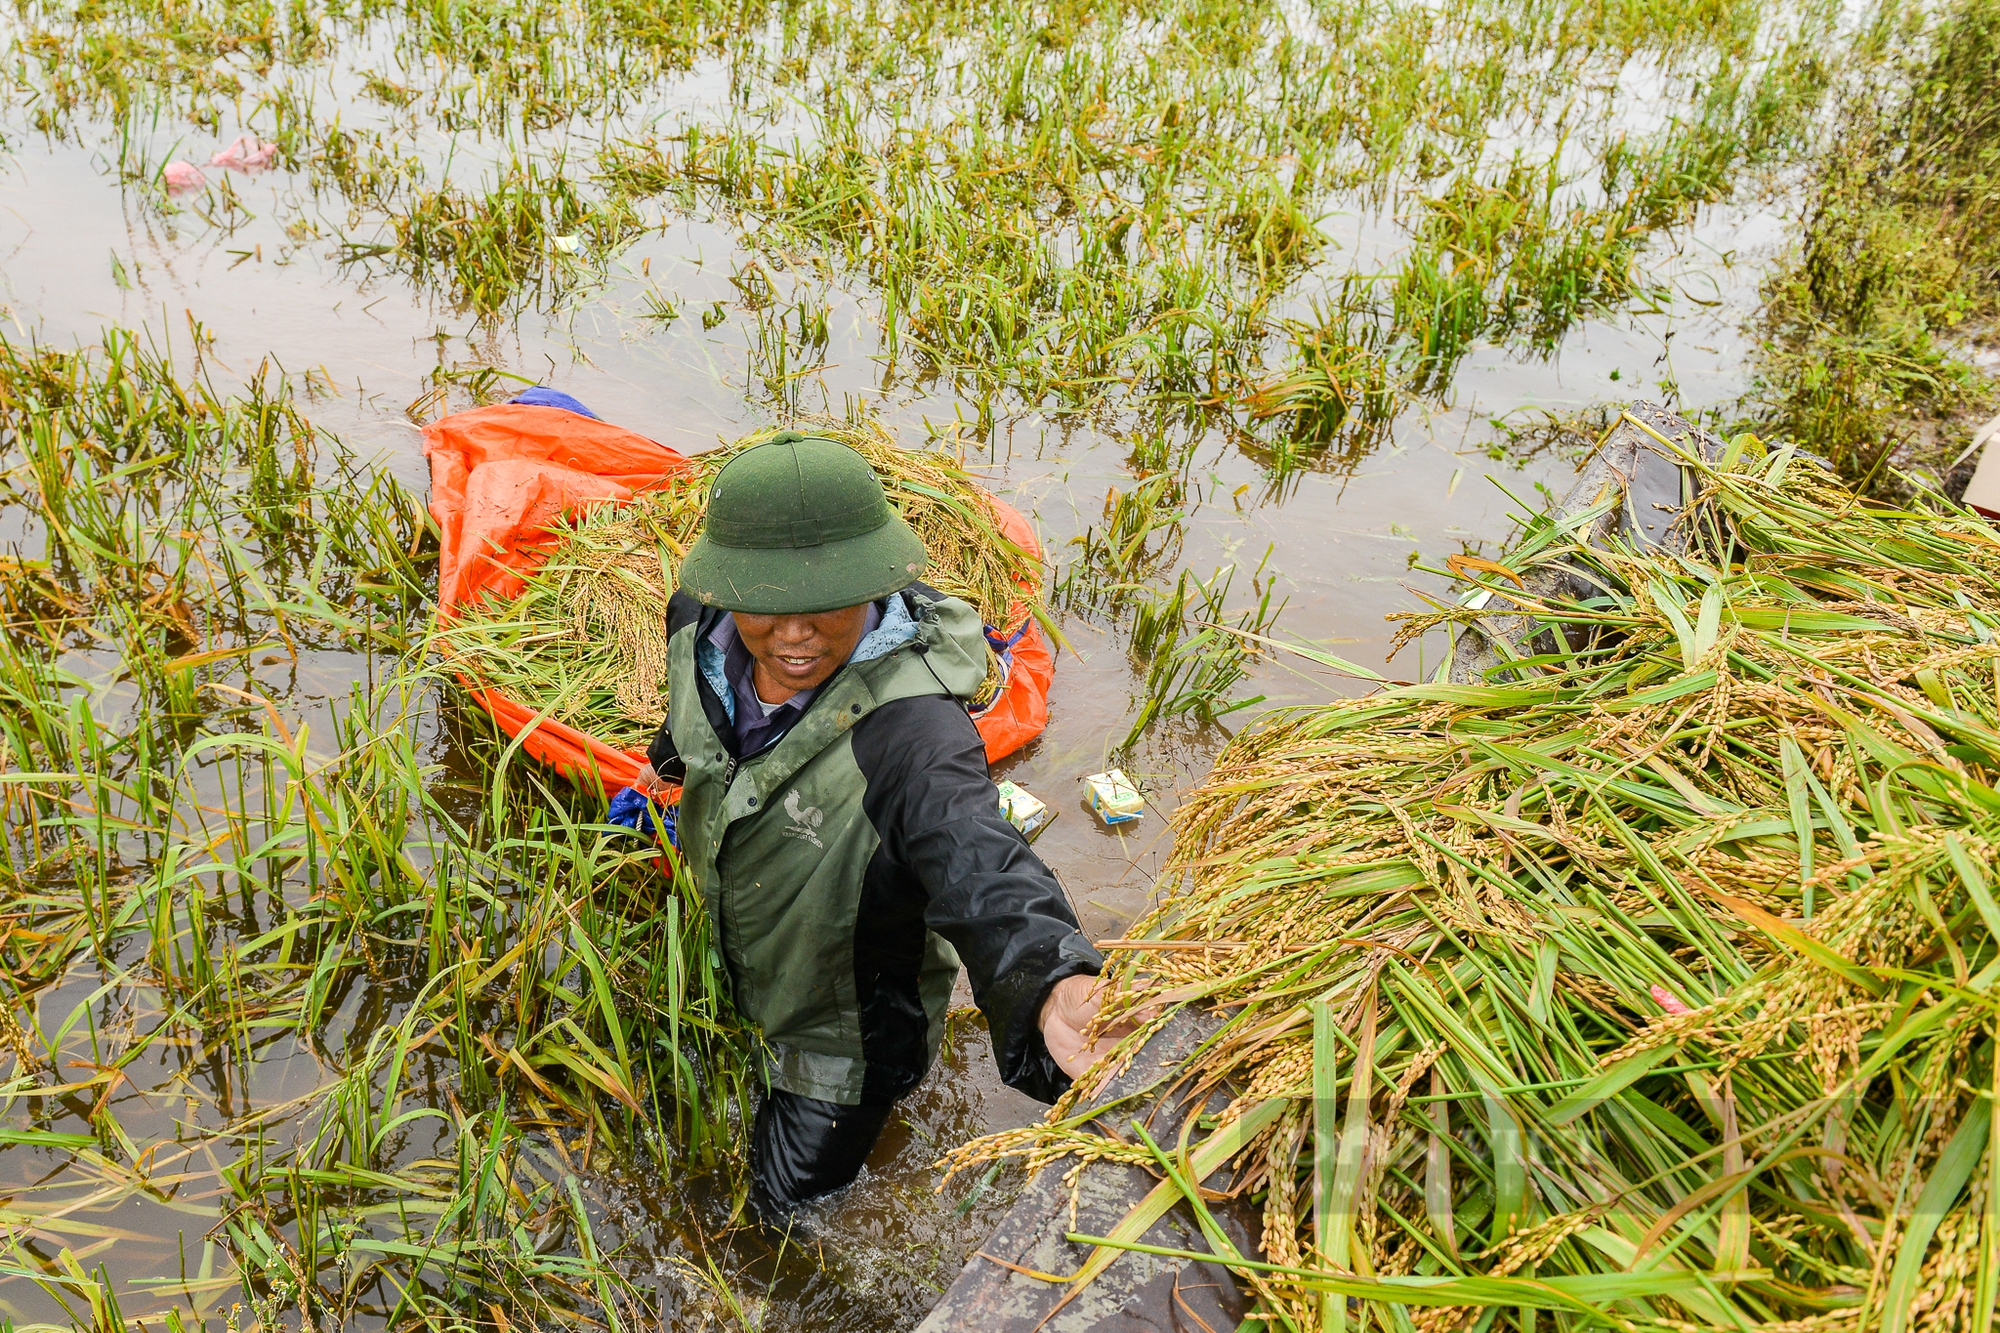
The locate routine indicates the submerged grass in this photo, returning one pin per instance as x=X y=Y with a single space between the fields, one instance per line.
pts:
x=358 y=1024
x=1296 y=219
x=1869 y=325
x=1647 y=982
x=1110 y=199
x=588 y=631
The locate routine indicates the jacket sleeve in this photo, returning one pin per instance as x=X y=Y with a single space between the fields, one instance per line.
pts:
x=665 y=757
x=937 y=812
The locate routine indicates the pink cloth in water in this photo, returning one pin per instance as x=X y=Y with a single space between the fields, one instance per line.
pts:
x=182 y=177
x=246 y=154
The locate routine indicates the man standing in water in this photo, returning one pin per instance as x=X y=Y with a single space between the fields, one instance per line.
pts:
x=837 y=814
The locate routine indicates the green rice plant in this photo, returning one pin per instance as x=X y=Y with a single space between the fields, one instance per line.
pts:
x=1338 y=394
x=470 y=386
x=1142 y=534
x=202 y=879
x=493 y=244
x=332 y=847
x=1052 y=201
x=1865 y=323
x=1645 y=981
x=1195 y=652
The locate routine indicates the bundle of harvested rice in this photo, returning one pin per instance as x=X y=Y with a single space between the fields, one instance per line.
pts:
x=586 y=638
x=1651 y=983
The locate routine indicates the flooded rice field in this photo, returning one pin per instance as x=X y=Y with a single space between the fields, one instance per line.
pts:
x=325 y=1007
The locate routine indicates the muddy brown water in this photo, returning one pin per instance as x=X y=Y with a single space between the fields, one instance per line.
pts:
x=80 y=252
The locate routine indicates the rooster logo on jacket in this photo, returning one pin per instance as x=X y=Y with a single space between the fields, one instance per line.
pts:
x=805 y=820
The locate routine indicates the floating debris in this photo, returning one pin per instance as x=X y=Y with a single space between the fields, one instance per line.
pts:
x=183 y=178
x=1025 y=811
x=1113 y=798
x=247 y=154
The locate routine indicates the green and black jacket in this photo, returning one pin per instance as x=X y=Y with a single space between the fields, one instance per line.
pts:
x=854 y=863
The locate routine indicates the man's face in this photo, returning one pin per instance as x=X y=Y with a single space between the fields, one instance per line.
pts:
x=799 y=652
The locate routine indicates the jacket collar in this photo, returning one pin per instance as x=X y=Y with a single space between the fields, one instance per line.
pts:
x=897 y=627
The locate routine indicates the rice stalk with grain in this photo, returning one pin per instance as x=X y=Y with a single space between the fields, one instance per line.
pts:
x=1649 y=981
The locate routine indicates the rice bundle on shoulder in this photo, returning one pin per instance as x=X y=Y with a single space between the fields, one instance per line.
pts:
x=586 y=638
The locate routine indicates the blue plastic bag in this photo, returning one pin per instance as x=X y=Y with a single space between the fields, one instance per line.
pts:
x=633 y=809
x=541 y=396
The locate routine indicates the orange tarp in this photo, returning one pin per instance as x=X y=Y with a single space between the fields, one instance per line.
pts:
x=500 y=475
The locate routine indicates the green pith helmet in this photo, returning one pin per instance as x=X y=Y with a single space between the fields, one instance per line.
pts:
x=799 y=523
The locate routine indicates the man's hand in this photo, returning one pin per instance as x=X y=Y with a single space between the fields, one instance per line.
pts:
x=648 y=781
x=1068 y=1010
